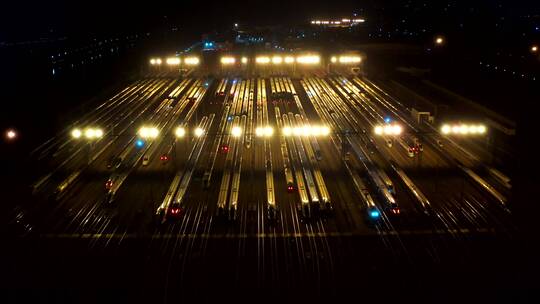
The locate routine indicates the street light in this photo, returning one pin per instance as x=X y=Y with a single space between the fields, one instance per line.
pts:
x=155 y=61
x=534 y=49
x=349 y=59
x=227 y=60
x=199 y=132
x=308 y=59
x=463 y=129
x=439 y=40
x=262 y=59
x=88 y=133
x=277 y=60
x=76 y=133
x=173 y=61
x=244 y=60
x=390 y=129
x=11 y=134
x=180 y=132
x=289 y=59
x=287 y=131
x=264 y=131
x=236 y=131
x=93 y=133
x=148 y=132
x=191 y=60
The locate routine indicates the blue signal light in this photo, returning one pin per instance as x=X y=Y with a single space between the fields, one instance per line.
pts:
x=229 y=118
x=139 y=143
x=374 y=214
x=387 y=119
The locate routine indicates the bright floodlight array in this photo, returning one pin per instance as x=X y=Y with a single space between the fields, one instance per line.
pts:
x=277 y=59
x=346 y=59
x=172 y=61
x=236 y=131
x=262 y=60
x=88 y=133
x=308 y=59
x=306 y=130
x=228 y=60
x=390 y=129
x=191 y=60
x=148 y=132
x=199 y=132
x=463 y=129
x=155 y=61
x=180 y=132
x=264 y=131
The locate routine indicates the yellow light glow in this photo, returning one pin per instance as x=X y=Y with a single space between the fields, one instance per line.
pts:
x=259 y=132
x=228 y=60
x=287 y=131
x=350 y=59
x=180 y=132
x=306 y=131
x=446 y=129
x=152 y=61
x=333 y=59
x=481 y=129
x=325 y=130
x=76 y=133
x=262 y=60
x=89 y=133
x=199 y=132
x=439 y=40
x=264 y=131
x=98 y=133
x=463 y=129
x=308 y=59
x=173 y=61
x=244 y=60
x=11 y=134
x=158 y=61
x=268 y=131
x=289 y=59
x=534 y=48
x=191 y=60
x=277 y=60
x=148 y=132
x=236 y=131
x=388 y=130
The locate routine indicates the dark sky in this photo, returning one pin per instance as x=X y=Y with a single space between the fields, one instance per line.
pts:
x=20 y=19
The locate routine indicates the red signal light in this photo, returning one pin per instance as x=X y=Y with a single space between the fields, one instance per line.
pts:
x=108 y=184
